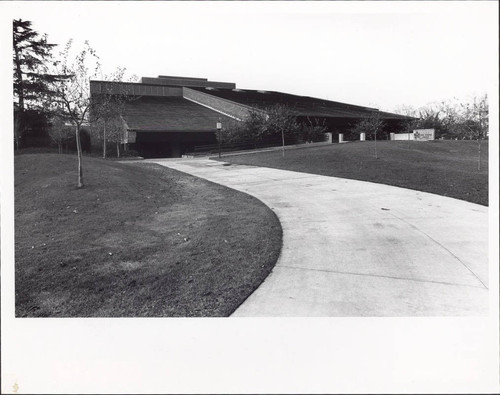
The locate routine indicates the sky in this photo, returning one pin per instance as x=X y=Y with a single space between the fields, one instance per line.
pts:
x=384 y=55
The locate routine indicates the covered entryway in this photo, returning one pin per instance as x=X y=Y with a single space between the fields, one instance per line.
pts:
x=170 y=144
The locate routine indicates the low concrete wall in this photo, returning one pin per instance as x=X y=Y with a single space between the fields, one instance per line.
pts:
x=402 y=136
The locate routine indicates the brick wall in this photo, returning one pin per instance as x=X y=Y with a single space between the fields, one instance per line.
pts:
x=226 y=107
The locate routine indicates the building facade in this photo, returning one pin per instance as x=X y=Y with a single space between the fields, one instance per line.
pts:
x=169 y=116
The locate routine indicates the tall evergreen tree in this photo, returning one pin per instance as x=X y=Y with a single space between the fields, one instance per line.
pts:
x=31 y=54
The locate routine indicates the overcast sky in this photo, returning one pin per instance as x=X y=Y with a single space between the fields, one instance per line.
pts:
x=384 y=54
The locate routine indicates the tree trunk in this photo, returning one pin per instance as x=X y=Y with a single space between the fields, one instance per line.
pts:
x=79 y=154
x=283 y=141
x=59 y=147
x=20 y=114
x=19 y=75
x=479 y=155
x=104 y=141
x=117 y=150
x=18 y=122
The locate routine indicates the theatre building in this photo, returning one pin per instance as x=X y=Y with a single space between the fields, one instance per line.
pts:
x=169 y=116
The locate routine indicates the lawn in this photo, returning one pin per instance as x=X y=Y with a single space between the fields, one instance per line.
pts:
x=139 y=240
x=447 y=168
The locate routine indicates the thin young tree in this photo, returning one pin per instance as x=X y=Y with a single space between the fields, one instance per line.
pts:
x=264 y=126
x=409 y=125
x=281 y=120
x=72 y=93
x=109 y=105
x=475 y=121
x=31 y=56
x=376 y=125
x=371 y=126
x=115 y=131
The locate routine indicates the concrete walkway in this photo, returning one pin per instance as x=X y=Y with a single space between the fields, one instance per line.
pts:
x=353 y=248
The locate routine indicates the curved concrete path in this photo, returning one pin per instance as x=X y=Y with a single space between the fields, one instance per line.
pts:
x=353 y=248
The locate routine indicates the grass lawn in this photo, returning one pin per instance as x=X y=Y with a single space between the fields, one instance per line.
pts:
x=447 y=168
x=138 y=240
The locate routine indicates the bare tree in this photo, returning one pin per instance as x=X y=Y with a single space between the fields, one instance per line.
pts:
x=475 y=120
x=371 y=126
x=115 y=130
x=107 y=108
x=72 y=94
x=408 y=126
x=264 y=125
x=280 y=120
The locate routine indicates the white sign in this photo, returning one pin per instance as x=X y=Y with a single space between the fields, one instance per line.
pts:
x=219 y=125
x=424 y=134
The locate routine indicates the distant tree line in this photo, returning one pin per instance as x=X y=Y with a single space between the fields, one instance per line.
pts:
x=452 y=119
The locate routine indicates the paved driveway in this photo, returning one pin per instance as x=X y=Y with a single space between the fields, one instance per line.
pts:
x=353 y=248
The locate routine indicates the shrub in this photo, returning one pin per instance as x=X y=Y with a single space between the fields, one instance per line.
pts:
x=263 y=126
